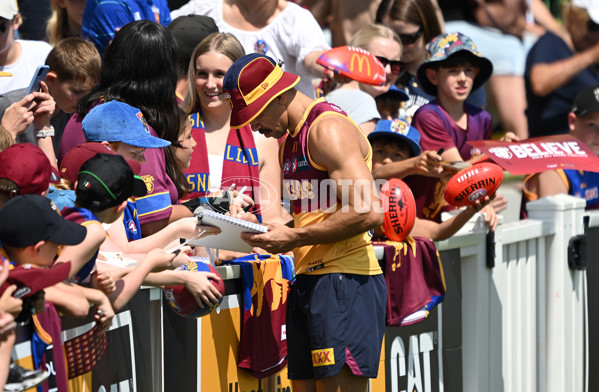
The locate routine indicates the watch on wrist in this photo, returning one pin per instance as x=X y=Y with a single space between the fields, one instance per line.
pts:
x=47 y=131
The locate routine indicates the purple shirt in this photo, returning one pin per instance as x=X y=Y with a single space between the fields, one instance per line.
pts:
x=438 y=130
x=162 y=192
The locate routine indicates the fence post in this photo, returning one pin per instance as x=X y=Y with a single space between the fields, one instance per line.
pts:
x=562 y=367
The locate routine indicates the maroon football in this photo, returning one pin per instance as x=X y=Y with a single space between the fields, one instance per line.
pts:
x=468 y=186
x=182 y=301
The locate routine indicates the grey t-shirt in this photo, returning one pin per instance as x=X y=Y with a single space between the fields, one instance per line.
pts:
x=360 y=106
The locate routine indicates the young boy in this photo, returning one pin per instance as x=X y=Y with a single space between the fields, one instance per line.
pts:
x=413 y=269
x=75 y=67
x=451 y=71
x=396 y=153
x=583 y=121
x=31 y=232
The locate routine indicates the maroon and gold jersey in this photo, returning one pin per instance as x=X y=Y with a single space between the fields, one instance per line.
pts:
x=313 y=199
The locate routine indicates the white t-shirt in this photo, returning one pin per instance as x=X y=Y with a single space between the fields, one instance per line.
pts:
x=34 y=53
x=289 y=37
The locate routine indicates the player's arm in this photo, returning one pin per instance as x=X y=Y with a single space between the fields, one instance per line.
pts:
x=334 y=143
x=270 y=179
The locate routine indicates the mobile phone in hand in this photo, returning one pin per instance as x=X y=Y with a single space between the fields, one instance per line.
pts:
x=38 y=77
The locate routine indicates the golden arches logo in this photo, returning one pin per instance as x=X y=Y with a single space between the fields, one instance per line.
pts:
x=361 y=60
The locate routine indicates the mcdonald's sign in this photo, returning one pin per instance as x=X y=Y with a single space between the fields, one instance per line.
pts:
x=361 y=59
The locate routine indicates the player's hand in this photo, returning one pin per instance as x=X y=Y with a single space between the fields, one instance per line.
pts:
x=279 y=239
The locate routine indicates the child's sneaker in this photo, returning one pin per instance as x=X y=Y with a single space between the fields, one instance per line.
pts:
x=20 y=379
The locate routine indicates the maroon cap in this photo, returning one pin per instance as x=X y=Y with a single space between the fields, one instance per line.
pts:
x=31 y=279
x=74 y=159
x=27 y=166
x=251 y=83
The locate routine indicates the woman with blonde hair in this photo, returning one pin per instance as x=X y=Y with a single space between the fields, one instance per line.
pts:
x=227 y=158
x=65 y=20
x=358 y=99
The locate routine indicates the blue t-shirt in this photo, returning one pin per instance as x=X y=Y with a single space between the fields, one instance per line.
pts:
x=103 y=17
x=548 y=115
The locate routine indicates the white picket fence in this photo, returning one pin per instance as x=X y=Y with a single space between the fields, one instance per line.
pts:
x=523 y=319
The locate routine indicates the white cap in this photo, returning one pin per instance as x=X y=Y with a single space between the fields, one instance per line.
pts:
x=592 y=7
x=8 y=9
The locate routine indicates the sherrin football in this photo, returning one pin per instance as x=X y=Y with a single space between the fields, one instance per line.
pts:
x=400 y=209
x=468 y=186
x=354 y=63
x=182 y=301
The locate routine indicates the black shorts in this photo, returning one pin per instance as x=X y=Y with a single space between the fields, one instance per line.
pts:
x=332 y=320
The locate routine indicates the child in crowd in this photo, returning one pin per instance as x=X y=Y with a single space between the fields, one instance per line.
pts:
x=31 y=232
x=396 y=153
x=452 y=70
x=583 y=121
x=74 y=70
x=413 y=269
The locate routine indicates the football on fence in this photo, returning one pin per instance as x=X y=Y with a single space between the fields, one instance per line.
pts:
x=354 y=63
x=400 y=209
x=468 y=186
x=182 y=301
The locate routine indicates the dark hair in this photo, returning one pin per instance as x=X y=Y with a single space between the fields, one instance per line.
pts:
x=418 y=12
x=460 y=58
x=172 y=168
x=139 y=69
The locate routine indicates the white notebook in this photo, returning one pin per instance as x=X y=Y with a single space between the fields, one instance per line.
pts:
x=231 y=229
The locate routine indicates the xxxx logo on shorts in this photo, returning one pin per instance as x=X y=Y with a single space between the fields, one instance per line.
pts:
x=323 y=357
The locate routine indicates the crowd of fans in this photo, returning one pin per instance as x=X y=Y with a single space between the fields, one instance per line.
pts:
x=132 y=130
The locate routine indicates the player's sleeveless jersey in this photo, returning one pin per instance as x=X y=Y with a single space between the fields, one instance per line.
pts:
x=84 y=217
x=313 y=199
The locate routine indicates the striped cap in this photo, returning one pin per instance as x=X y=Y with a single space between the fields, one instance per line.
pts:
x=251 y=84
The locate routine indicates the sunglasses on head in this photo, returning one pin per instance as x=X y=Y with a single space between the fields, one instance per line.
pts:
x=397 y=67
x=408 y=39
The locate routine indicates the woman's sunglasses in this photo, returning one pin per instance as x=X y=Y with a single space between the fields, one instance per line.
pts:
x=408 y=39
x=397 y=67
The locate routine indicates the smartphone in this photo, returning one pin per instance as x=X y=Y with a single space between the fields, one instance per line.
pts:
x=38 y=77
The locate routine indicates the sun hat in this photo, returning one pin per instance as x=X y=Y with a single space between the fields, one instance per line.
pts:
x=251 y=83
x=445 y=45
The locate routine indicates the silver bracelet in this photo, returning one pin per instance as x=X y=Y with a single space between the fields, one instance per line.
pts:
x=41 y=133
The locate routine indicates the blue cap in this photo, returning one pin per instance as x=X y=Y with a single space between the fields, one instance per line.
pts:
x=397 y=93
x=116 y=121
x=400 y=130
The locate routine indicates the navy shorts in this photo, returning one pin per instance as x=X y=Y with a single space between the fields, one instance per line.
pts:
x=333 y=320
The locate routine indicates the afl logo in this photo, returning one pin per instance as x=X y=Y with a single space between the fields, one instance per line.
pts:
x=131 y=226
x=294 y=165
x=286 y=166
x=478 y=194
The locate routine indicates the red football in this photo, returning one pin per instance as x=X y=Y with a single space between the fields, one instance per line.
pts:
x=468 y=186
x=354 y=63
x=182 y=301
x=400 y=209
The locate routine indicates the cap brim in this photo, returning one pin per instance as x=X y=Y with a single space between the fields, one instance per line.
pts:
x=68 y=233
x=147 y=142
x=139 y=187
x=240 y=118
x=32 y=280
x=414 y=147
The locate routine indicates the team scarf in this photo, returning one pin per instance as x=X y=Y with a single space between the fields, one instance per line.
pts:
x=240 y=163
